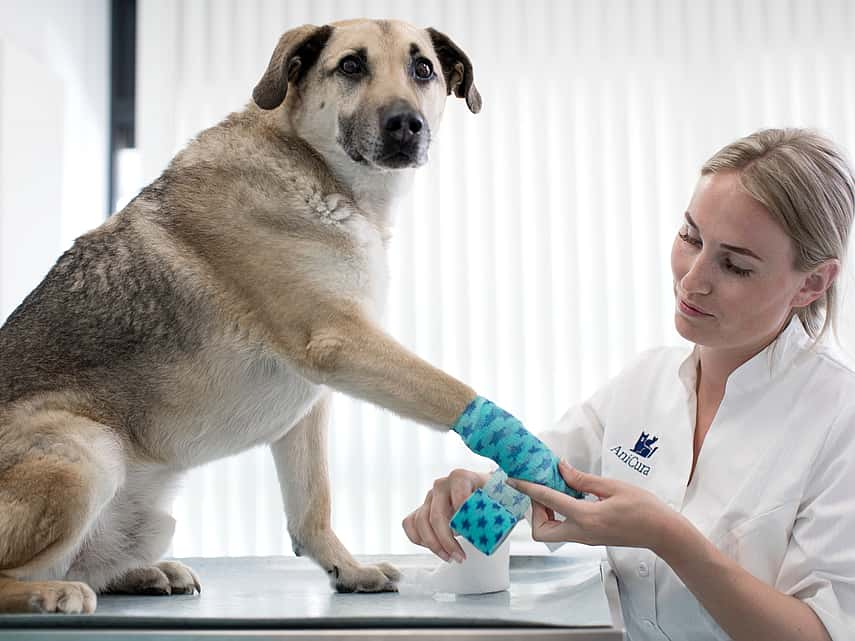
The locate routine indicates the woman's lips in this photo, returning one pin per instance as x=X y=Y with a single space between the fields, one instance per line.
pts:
x=688 y=310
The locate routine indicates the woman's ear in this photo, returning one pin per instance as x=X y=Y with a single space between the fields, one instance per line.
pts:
x=816 y=282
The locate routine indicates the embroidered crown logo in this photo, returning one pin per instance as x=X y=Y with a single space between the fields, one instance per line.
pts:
x=644 y=445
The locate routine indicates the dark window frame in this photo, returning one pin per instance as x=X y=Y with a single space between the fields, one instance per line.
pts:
x=123 y=60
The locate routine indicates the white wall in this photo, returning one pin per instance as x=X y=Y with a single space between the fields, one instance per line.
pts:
x=56 y=127
x=30 y=172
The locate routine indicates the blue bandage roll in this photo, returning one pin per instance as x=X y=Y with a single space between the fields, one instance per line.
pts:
x=490 y=431
x=487 y=517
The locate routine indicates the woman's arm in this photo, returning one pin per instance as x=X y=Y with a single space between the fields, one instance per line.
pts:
x=625 y=515
x=744 y=606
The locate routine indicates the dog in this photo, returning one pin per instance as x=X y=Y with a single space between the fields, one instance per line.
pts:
x=218 y=311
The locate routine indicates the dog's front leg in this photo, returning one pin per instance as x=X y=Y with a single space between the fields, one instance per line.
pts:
x=301 y=464
x=350 y=353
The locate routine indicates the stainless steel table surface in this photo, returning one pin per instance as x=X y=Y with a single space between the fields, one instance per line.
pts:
x=551 y=597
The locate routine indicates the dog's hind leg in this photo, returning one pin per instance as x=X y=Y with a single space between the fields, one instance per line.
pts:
x=57 y=471
x=69 y=597
x=301 y=464
x=133 y=532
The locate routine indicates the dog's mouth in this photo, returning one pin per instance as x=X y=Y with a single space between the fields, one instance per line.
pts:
x=355 y=156
x=399 y=159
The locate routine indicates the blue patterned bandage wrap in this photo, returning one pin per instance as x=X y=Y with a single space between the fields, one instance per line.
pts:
x=487 y=517
x=490 y=431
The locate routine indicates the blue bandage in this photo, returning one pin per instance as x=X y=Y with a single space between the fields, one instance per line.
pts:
x=487 y=517
x=490 y=431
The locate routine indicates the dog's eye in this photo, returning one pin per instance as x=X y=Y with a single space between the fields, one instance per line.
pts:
x=423 y=69
x=350 y=66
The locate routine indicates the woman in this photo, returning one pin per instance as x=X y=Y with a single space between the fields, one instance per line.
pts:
x=723 y=476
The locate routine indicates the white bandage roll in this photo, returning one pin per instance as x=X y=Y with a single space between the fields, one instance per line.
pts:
x=478 y=574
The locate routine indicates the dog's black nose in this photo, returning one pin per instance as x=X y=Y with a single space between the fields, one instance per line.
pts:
x=401 y=123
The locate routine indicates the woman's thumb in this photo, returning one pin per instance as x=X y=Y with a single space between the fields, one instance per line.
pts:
x=579 y=481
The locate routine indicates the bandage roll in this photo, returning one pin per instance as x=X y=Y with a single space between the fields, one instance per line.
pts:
x=490 y=431
x=487 y=517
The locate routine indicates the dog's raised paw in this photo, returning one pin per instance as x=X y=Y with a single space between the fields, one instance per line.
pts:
x=161 y=579
x=365 y=578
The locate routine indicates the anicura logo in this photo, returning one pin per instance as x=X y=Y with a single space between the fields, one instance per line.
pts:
x=643 y=445
x=643 y=449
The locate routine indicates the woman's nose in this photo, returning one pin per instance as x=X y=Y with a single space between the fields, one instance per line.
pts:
x=697 y=280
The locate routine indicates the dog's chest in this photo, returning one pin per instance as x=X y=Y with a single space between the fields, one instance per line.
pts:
x=375 y=276
x=361 y=272
x=233 y=400
x=237 y=394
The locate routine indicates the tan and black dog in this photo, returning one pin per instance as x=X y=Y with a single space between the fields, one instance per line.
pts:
x=218 y=311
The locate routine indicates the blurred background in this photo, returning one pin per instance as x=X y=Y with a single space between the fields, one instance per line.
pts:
x=531 y=259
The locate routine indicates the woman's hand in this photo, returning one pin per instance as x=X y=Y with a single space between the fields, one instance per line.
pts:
x=428 y=525
x=624 y=515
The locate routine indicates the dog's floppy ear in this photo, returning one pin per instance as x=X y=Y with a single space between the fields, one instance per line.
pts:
x=457 y=69
x=295 y=53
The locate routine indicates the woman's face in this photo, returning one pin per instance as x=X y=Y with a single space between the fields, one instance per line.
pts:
x=734 y=280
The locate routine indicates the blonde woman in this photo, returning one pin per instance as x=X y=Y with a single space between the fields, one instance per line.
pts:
x=724 y=474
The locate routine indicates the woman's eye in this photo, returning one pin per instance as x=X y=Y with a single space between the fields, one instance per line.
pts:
x=684 y=235
x=736 y=270
x=424 y=69
x=350 y=66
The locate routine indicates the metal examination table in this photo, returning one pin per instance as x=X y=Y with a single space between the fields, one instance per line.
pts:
x=266 y=598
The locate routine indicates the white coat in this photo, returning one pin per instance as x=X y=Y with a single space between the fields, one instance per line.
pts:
x=774 y=485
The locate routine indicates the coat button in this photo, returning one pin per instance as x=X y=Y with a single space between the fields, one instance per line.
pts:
x=643 y=570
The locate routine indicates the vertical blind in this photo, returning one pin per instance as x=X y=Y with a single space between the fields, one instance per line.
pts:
x=531 y=258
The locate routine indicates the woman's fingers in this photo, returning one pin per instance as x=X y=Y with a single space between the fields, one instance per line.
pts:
x=585 y=483
x=539 y=514
x=548 y=497
x=460 y=491
x=429 y=525
x=409 y=525
x=441 y=512
x=446 y=539
x=426 y=534
x=545 y=528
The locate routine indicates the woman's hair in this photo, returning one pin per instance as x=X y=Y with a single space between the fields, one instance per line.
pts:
x=805 y=183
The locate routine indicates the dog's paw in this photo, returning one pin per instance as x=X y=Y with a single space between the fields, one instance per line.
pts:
x=164 y=578
x=66 y=597
x=365 y=578
x=182 y=579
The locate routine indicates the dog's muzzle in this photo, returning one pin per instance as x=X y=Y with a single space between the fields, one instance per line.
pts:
x=404 y=137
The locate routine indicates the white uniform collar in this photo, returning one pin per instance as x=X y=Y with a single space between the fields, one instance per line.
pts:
x=759 y=370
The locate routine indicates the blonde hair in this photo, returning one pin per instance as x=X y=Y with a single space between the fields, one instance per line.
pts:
x=805 y=183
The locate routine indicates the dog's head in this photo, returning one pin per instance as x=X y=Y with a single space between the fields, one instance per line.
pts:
x=371 y=91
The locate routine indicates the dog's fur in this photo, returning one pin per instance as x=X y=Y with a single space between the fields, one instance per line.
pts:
x=216 y=312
